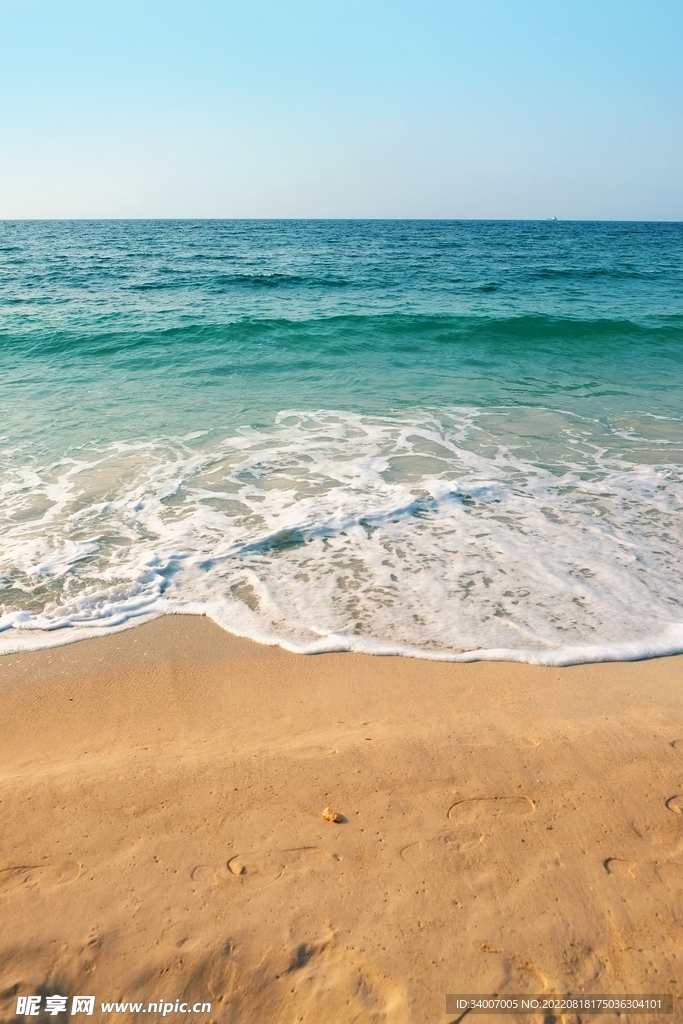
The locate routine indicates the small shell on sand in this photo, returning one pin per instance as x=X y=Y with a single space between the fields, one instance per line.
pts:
x=330 y=815
x=236 y=866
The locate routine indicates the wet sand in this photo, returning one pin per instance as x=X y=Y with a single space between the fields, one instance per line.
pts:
x=508 y=828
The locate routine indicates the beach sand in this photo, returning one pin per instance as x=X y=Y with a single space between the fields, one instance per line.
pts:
x=508 y=828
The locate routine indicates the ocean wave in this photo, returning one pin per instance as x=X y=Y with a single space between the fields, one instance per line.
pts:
x=360 y=333
x=433 y=535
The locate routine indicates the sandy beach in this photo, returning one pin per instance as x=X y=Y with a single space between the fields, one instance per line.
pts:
x=506 y=828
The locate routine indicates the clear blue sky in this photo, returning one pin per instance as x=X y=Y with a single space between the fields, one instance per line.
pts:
x=341 y=108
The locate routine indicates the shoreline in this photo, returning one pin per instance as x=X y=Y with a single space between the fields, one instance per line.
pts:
x=509 y=827
x=669 y=643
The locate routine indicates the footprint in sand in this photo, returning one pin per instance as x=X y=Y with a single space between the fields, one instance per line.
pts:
x=675 y=804
x=30 y=877
x=670 y=873
x=445 y=844
x=265 y=867
x=489 y=808
x=617 y=866
x=203 y=874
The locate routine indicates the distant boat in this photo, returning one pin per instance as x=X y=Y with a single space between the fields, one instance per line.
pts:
x=551 y=218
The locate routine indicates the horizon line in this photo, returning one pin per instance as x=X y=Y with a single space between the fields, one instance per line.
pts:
x=434 y=220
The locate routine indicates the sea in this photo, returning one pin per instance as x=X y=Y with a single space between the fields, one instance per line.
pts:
x=456 y=440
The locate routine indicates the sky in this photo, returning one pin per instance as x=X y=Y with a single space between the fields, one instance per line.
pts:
x=342 y=108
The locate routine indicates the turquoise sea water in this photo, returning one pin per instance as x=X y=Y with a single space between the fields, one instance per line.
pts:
x=458 y=439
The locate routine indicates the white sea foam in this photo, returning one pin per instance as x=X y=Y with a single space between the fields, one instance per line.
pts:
x=519 y=534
